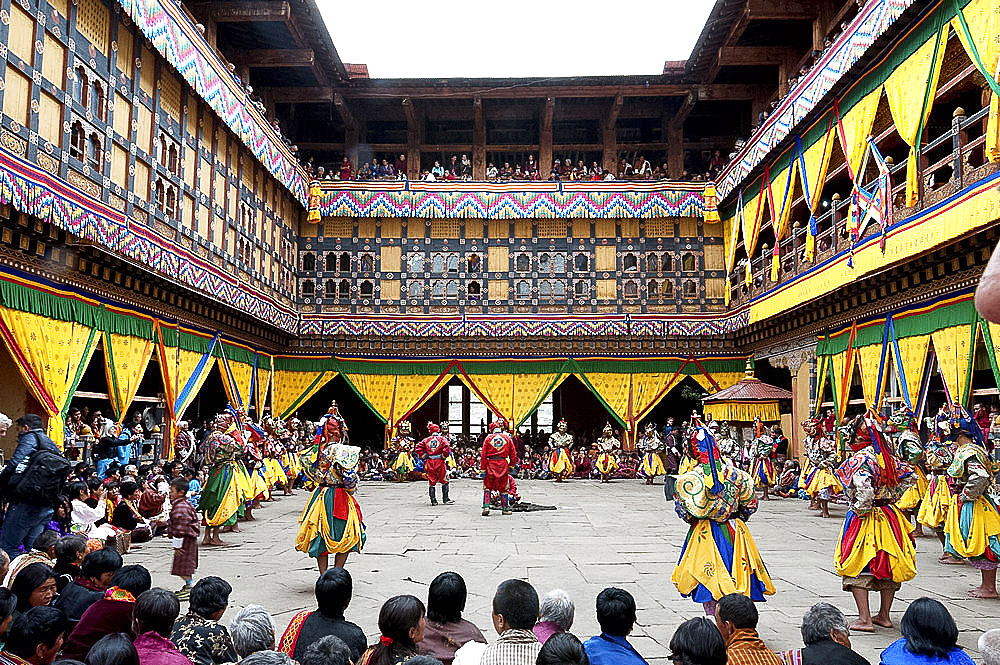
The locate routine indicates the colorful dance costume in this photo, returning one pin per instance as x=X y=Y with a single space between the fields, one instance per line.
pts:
x=562 y=442
x=910 y=449
x=606 y=446
x=499 y=456
x=331 y=522
x=876 y=550
x=719 y=555
x=434 y=450
x=221 y=498
x=762 y=450
x=972 y=528
x=652 y=449
x=938 y=456
x=822 y=457
x=728 y=445
x=400 y=446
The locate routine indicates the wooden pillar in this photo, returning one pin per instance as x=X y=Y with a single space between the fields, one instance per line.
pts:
x=800 y=404
x=413 y=139
x=351 y=131
x=545 y=140
x=675 y=149
x=821 y=24
x=610 y=134
x=478 y=140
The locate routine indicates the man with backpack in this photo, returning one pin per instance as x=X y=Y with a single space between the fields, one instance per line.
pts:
x=33 y=486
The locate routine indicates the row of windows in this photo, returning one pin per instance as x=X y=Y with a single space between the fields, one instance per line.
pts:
x=522 y=288
x=449 y=262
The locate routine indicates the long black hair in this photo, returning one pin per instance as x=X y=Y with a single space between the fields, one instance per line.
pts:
x=929 y=628
x=697 y=642
x=27 y=580
x=446 y=598
x=113 y=649
x=397 y=617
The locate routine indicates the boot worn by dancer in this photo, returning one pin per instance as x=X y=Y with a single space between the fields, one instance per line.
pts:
x=486 y=503
x=505 y=503
x=433 y=492
x=444 y=495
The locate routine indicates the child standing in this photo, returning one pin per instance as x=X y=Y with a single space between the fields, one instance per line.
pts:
x=184 y=533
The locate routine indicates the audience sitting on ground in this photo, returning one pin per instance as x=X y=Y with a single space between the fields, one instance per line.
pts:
x=930 y=636
x=35 y=637
x=736 y=617
x=8 y=604
x=267 y=657
x=515 y=611
x=562 y=649
x=401 y=623
x=43 y=550
x=35 y=586
x=697 y=642
x=446 y=631
x=154 y=615
x=198 y=634
x=327 y=650
x=826 y=636
x=555 y=615
x=333 y=594
x=616 y=616
x=110 y=614
x=70 y=551
x=89 y=586
x=989 y=647
x=113 y=649
x=252 y=630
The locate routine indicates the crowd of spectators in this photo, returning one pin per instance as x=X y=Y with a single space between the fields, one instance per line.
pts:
x=126 y=621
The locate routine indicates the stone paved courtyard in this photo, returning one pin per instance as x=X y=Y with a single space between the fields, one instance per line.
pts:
x=623 y=534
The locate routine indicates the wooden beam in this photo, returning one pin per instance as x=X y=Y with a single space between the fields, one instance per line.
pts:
x=413 y=138
x=344 y=111
x=382 y=91
x=243 y=12
x=781 y=10
x=735 y=92
x=616 y=108
x=677 y=121
x=609 y=135
x=545 y=139
x=750 y=56
x=351 y=130
x=279 y=57
x=300 y=94
x=478 y=140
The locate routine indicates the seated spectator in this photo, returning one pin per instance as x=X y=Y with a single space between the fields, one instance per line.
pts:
x=333 y=594
x=8 y=605
x=35 y=637
x=562 y=649
x=89 y=586
x=345 y=169
x=437 y=171
x=267 y=657
x=126 y=515
x=697 y=642
x=42 y=551
x=327 y=650
x=252 y=630
x=736 y=618
x=401 y=622
x=826 y=637
x=491 y=172
x=198 y=634
x=930 y=637
x=154 y=615
x=70 y=551
x=989 y=647
x=515 y=609
x=111 y=614
x=616 y=616
x=113 y=649
x=445 y=629
x=555 y=615
x=34 y=586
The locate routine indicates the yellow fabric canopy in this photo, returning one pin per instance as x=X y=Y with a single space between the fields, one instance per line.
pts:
x=265 y=364
x=953 y=348
x=753 y=212
x=817 y=161
x=743 y=412
x=903 y=89
x=843 y=373
x=515 y=395
x=392 y=396
x=872 y=382
x=236 y=379
x=782 y=191
x=857 y=124
x=722 y=379
x=290 y=389
x=913 y=353
x=125 y=361
x=51 y=356
x=983 y=19
x=612 y=389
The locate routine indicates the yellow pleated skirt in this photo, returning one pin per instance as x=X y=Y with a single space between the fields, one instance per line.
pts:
x=912 y=497
x=559 y=461
x=606 y=463
x=870 y=543
x=243 y=482
x=972 y=529
x=652 y=465
x=719 y=559
x=821 y=480
x=934 y=506
x=687 y=464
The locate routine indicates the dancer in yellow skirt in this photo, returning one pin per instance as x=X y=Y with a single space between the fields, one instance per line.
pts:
x=762 y=451
x=221 y=500
x=876 y=550
x=972 y=529
x=822 y=485
x=938 y=456
x=606 y=447
x=909 y=448
x=652 y=449
x=400 y=451
x=331 y=522
x=561 y=442
x=719 y=555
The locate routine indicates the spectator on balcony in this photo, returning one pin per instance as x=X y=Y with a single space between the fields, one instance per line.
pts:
x=364 y=171
x=581 y=170
x=608 y=175
x=465 y=168
x=491 y=172
x=454 y=167
x=345 y=169
x=556 y=171
x=385 y=171
x=400 y=167
x=624 y=170
x=716 y=164
x=438 y=170
x=566 y=169
x=665 y=171
x=427 y=176
x=518 y=173
x=642 y=168
x=506 y=173
x=531 y=168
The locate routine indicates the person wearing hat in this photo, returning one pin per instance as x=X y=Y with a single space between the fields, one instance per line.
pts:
x=24 y=522
x=434 y=450
x=499 y=456
x=331 y=521
x=652 y=449
x=562 y=443
x=606 y=447
x=876 y=550
x=972 y=528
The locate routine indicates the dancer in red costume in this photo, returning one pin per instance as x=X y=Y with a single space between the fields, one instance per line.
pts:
x=498 y=458
x=434 y=450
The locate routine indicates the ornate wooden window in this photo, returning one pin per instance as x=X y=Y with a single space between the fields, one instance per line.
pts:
x=308 y=288
x=559 y=289
x=344 y=289
x=452 y=288
x=523 y=289
x=77 y=141
x=473 y=263
x=652 y=289
x=82 y=87
x=437 y=288
x=581 y=263
x=581 y=288
x=666 y=263
x=630 y=262
x=331 y=262
x=309 y=261
x=438 y=263
x=631 y=288
x=330 y=289
x=95 y=153
x=345 y=262
x=690 y=289
x=545 y=289
x=99 y=106
x=415 y=290
x=367 y=263
x=172 y=202
x=367 y=289
x=522 y=263
x=689 y=263
x=652 y=263
x=544 y=263
x=415 y=263
x=558 y=263
x=474 y=289
x=160 y=192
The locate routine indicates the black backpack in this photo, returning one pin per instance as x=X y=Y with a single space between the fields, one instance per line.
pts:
x=42 y=481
